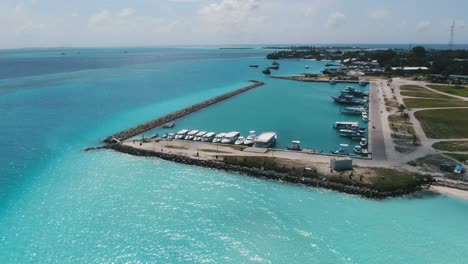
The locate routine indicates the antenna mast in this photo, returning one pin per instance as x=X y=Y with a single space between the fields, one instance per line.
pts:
x=452 y=35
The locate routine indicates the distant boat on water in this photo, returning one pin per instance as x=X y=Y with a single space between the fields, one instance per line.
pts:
x=266 y=71
x=253 y=66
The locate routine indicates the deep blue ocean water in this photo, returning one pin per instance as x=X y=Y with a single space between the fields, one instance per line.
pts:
x=61 y=205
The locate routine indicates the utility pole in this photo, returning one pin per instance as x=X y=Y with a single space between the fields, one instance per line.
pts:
x=452 y=35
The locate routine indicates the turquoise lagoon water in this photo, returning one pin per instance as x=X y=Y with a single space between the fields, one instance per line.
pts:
x=61 y=205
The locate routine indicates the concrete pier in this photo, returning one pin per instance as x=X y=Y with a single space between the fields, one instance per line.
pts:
x=131 y=132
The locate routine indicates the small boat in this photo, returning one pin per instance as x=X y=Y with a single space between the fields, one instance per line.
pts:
x=266 y=71
x=199 y=135
x=181 y=134
x=191 y=135
x=265 y=140
x=351 y=91
x=169 y=125
x=365 y=118
x=363 y=142
x=164 y=136
x=230 y=137
x=342 y=151
x=239 y=141
x=274 y=67
x=363 y=83
x=295 y=145
x=171 y=136
x=275 y=63
x=307 y=67
x=253 y=66
x=208 y=137
x=345 y=125
x=156 y=135
x=219 y=137
x=332 y=81
x=357 y=149
x=348 y=99
x=249 y=141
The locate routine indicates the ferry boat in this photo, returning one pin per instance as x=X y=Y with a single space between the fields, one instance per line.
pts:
x=266 y=71
x=199 y=135
x=363 y=142
x=342 y=151
x=348 y=99
x=191 y=135
x=208 y=137
x=181 y=134
x=171 y=136
x=219 y=137
x=230 y=138
x=249 y=141
x=240 y=141
x=353 y=110
x=265 y=140
x=351 y=91
x=295 y=145
x=351 y=133
x=345 y=125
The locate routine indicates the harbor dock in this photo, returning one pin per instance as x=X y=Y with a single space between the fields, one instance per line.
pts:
x=131 y=132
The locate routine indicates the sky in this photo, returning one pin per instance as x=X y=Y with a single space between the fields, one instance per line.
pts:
x=93 y=23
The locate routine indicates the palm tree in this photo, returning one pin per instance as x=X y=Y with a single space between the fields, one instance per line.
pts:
x=401 y=108
x=405 y=116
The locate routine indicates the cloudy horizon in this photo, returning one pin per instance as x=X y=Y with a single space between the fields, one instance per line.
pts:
x=53 y=23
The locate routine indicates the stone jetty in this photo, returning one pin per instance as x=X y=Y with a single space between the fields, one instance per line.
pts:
x=131 y=132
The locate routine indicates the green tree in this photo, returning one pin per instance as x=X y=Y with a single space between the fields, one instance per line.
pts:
x=401 y=109
x=419 y=51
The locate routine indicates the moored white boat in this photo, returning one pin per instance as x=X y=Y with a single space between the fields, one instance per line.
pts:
x=190 y=135
x=208 y=137
x=239 y=141
x=230 y=137
x=249 y=141
x=199 y=135
x=265 y=140
x=219 y=137
x=181 y=134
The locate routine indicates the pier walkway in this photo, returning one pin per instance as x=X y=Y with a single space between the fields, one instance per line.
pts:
x=377 y=139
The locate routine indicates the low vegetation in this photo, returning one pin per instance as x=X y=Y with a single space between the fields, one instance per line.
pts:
x=444 y=123
x=388 y=179
x=452 y=89
x=456 y=146
x=433 y=103
x=458 y=156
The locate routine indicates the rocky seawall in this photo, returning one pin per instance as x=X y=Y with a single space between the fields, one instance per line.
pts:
x=291 y=177
x=131 y=132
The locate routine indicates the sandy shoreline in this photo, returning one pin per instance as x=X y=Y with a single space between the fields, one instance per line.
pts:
x=450 y=192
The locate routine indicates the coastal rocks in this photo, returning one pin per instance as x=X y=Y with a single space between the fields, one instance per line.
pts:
x=291 y=176
x=126 y=134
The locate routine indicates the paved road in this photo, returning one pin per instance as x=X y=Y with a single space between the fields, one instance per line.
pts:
x=375 y=126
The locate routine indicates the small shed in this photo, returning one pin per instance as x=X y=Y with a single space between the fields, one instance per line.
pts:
x=341 y=164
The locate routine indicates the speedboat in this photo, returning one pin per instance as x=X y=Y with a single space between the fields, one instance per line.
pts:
x=249 y=141
x=239 y=141
x=342 y=151
x=219 y=137
x=191 y=135
x=171 y=136
x=357 y=149
x=307 y=67
x=208 y=137
x=199 y=135
x=365 y=118
x=265 y=140
x=295 y=145
x=363 y=142
x=230 y=137
x=181 y=134
x=169 y=125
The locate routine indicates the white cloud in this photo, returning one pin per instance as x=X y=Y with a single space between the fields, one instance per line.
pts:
x=336 y=19
x=377 y=14
x=228 y=13
x=126 y=12
x=99 y=18
x=423 y=25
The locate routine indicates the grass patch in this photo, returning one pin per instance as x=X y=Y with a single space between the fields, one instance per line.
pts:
x=444 y=123
x=433 y=103
x=451 y=89
x=451 y=146
x=459 y=157
x=388 y=179
x=413 y=88
x=391 y=103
